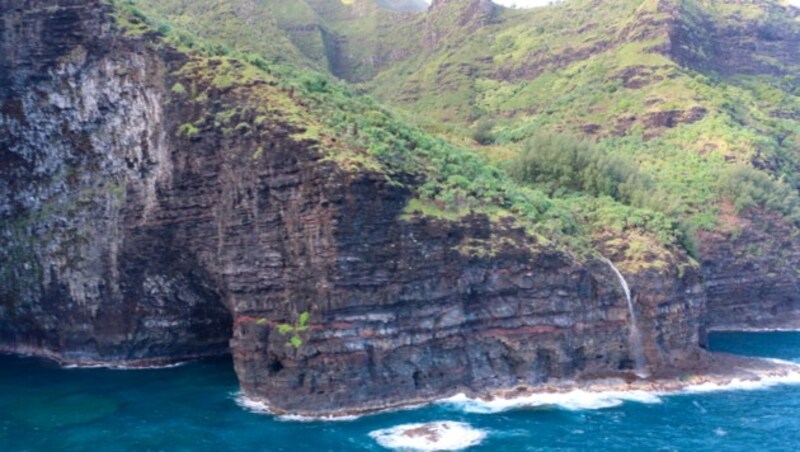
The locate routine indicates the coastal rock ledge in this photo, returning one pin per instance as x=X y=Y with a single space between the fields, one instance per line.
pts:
x=130 y=238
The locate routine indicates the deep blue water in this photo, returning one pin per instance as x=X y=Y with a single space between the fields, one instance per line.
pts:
x=192 y=407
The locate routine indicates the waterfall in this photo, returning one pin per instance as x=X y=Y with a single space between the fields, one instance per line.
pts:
x=637 y=346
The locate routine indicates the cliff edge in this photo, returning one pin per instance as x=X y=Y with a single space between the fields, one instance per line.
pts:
x=160 y=204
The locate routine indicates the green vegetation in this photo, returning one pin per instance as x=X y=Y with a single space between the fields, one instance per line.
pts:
x=670 y=139
x=749 y=188
x=213 y=27
x=178 y=89
x=300 y=326
x=130 y=18
x=457 y=180
x=562 y=163
x=303 y=33
x=483 y=132
x=582 y=125
x=189 y=130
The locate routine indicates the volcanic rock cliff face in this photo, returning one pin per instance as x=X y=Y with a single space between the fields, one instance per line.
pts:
x=751 y=269
x=130 y=235
x=84 y=156
x=751 y=274
x=768 y=43
x=750 y=264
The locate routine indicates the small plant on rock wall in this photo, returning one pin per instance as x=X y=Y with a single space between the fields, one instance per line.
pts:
x=294 y=330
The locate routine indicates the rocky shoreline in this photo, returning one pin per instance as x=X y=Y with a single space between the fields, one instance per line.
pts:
x=718 y=372
x=719 y=369
x=140 y=231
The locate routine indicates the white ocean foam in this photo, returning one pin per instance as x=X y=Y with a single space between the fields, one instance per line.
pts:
x=298 y=418
x=154 y=367
x=738 y=384
x=434 y=436
x=122 y=366
x=84 y=366
x=258 y=407
x=790 y=377
x=251 y=405
x=783 y=361
x=575 y=400
x=579 y=400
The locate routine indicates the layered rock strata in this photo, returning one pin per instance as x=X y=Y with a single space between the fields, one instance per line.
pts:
x=134 y=230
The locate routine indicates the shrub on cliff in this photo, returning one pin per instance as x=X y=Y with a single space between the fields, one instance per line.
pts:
x=483 y=132
x=749 y=188
x=605 y=190
x=561 y=163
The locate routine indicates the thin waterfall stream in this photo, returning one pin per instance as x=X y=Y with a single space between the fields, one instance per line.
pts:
x=637 y=345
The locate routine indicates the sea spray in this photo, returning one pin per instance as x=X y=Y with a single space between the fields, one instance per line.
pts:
x=434 y=436
x=258 y=407
x=115 y=366
x=588 y=399
x=575 y=400
x=637 y=344
x=790 y=376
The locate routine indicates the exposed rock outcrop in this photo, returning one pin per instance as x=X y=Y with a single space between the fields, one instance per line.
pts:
x=765 y=41
x=445 y=17
x=751 y=273
x=85 y=156
x=134 y=229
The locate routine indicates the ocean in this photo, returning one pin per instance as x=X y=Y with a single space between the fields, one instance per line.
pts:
x=196 y=407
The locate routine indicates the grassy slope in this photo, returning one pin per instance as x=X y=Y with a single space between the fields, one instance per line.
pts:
x=351 y=39
x=602 y=67
x=250 y=25
x=370 y=36
x=359 y=134
x=580 y=67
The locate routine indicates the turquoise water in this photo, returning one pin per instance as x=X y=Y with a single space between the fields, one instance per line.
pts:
x=193 y=407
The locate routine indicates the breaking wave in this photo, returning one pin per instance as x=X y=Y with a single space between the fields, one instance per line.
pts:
x=573 y=400
x=255 y=406
x=737 y=384
x=434 y=436
x=112 y=366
